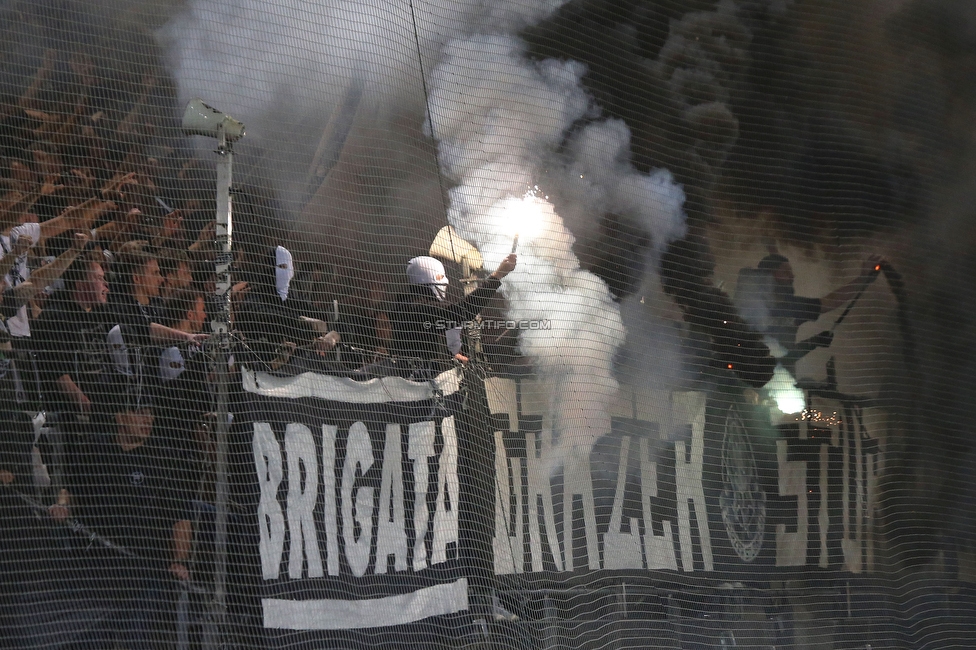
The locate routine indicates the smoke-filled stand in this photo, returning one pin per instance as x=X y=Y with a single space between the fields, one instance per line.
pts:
x=526 y=324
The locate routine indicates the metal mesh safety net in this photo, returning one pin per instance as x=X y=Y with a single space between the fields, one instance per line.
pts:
x=523 y=324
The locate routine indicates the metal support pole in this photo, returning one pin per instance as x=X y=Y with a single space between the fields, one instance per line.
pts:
x=183 y=620
x=221 y=330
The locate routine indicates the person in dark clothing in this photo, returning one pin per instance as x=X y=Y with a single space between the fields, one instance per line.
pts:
x=130 y=487
x=766 y=298
x=174 y=266
x=79 y=370
x=185 y=310
x=24 y=285
x=20 y=403
x=184 y=388
x=70 y=339
x=364 y=324
x=788 y=310
x=279 y=328
x=19 y=530
x=13 y=459
x=420 y=319
x=137 y=335
x=184 y=392
x=135 y=301
x=718 y=338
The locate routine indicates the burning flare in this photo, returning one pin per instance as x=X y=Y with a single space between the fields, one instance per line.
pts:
x=782 y=388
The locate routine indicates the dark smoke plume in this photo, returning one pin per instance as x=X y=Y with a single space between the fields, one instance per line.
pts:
x=834 y=129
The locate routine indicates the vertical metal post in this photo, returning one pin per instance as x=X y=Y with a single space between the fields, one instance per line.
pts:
x=183 y=619
x=221 y=330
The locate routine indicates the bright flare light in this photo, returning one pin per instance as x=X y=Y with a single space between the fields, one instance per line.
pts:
x=782 y=388
x=524 y=218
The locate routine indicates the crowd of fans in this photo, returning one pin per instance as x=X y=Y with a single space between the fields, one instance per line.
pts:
x=102 y=322
x=106 y=304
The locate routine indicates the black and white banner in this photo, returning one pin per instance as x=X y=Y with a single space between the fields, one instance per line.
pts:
x=686 y=482
x=376 y=510
x=358 y=502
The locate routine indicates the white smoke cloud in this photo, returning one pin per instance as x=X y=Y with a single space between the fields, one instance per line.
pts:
x=289 y=68
x=497 y=117
x=601 y=180
x=501 y=120
x=607 y=182
x=254 y=56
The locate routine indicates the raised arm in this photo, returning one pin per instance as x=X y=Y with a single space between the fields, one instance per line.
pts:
x=47 y=274
x=162 y=334
x=29 y=99
x=839 y=297
x=478 y=299
x=76 y=217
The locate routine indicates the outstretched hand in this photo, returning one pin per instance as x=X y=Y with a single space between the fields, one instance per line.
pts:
x=507 y=266
x=113 y=189
x=59 y=512
x=79 y=241
x=179 y=571
x=326 y=343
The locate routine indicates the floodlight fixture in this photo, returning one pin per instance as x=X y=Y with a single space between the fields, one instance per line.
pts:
x=201 y=118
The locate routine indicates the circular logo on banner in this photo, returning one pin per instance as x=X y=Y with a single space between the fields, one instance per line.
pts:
x=137 y=478
x=743 y=501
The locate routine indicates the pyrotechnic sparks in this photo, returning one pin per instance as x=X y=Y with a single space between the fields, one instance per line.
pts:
x=816 y=416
